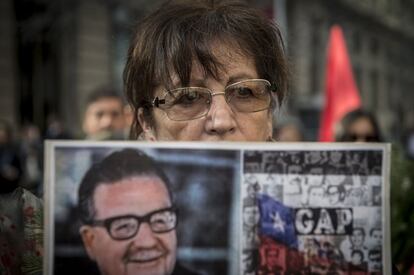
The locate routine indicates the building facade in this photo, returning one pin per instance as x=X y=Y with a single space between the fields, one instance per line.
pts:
x=380 y=41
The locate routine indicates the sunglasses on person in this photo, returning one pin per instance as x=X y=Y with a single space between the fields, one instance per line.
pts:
x=188 y=103
x=361 y=137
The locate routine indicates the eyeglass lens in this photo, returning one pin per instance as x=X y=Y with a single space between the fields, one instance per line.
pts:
x=127 y=227
x=194 y=102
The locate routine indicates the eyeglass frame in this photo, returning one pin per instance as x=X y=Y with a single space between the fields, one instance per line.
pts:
x=106 y=223
x=156 y=102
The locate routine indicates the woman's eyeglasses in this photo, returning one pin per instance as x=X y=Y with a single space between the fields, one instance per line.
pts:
x=247 y=96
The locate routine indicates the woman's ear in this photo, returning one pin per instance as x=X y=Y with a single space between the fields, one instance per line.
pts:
x=148 y=132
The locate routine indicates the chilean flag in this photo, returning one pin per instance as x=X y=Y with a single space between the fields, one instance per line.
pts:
x=341 y=93
x=277 y=221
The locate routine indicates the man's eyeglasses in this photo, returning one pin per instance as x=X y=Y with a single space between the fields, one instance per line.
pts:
x=247 y=96
x=126 y=227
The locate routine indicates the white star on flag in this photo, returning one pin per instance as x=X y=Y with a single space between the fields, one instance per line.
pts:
x=278 y=223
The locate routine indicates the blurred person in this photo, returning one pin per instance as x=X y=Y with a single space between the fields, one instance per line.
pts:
x=252 y=189
x=362 y=126
x=251 y=219
x=375 y=260
x=205 y=70
x=56 y=129
x=289 y=131
x=128 y=215
x=336 y=194
x=21 y=238
x=358 y=238
x=316 y=176
x=31 y=146
x=356 y=241
x=375 y=235
x=272 y=258
x=250 y=261
x=104 y=115
x=409 y=143
x=11 y=167
x=358 y=265
x=315 y=196
x=358 y=126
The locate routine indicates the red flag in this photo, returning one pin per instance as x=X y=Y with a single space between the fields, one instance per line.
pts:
x=341 y=93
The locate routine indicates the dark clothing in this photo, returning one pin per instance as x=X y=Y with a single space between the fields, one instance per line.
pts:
x=182 y=270
x=10 y=168
x=395 y=271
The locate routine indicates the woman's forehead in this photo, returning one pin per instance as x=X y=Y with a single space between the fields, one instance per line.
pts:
x=232 y=67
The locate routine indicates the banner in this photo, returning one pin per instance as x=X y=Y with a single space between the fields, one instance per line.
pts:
x=239 y=208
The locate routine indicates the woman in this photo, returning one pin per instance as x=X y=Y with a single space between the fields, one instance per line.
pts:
x=205 y=70
x=359 y=126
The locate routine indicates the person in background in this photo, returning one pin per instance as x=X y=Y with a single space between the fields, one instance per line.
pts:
x=11 y=166
x=56 y=129
x=21 y=214
x=205 y=70
x=358 y=126
x=361 y=126
x=288 y=131
x=104 y=115
x=31 y=150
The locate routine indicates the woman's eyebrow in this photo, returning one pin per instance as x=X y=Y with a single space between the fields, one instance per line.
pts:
x=240 y=76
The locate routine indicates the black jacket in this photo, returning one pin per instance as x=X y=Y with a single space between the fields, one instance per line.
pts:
x=182 y=270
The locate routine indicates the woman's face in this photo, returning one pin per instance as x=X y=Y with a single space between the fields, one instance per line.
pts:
x=221 y=123
x=362 y=130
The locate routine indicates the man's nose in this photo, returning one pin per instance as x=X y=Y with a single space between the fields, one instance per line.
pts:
x=145 y=237
x=221 y=118
x=106 y=121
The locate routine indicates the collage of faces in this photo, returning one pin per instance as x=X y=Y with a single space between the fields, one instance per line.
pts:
x=312 y=212
x=121 y=208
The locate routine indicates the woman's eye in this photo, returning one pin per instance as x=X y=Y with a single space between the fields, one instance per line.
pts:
x=244 y=92
x=188 y=97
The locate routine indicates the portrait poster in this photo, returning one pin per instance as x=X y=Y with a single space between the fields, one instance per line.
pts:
x=242 y=208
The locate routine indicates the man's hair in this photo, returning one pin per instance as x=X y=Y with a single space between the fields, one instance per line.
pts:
x=359 y=229
x=180 y=32
x=341 y=190
x=117 y=166
x=373 y=230
x=101 y=93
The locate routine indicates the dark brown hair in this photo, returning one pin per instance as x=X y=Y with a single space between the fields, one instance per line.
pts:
x=343 y=131
x=170 y=39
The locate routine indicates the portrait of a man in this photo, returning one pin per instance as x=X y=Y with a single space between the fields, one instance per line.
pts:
x=128 y=216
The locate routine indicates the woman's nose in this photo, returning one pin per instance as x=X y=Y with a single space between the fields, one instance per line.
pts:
x=221 y=118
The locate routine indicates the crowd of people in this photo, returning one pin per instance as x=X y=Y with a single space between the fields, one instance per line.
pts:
x=195 y=71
